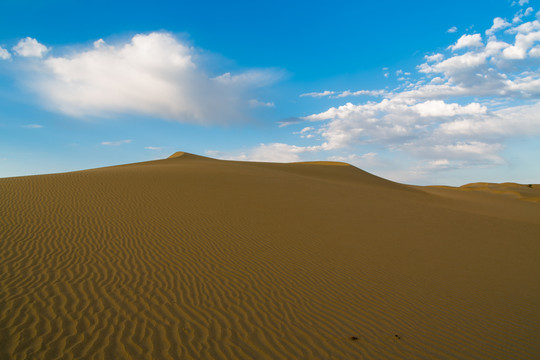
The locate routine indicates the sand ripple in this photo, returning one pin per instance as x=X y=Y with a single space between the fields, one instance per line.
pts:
x=193 y=258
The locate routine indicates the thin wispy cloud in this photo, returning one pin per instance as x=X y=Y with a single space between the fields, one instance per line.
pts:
x=520 y=2
x=256 y=103
x=289 y=121
x=318 y=94
x=274 y=152
x=346 y=93
x=116 y=143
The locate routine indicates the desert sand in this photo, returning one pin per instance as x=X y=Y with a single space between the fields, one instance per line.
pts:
x=196 y=258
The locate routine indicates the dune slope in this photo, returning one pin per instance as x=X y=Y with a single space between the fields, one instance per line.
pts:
x=196 y=258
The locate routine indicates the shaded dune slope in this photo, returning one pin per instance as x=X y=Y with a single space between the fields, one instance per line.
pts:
x=195 y=258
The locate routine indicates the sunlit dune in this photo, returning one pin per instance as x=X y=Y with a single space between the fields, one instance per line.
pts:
x=195 y=258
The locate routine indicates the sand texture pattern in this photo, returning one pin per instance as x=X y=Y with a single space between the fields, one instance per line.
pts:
x=196 y=258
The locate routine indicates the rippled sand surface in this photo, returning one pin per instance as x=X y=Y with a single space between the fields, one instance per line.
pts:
x=196 y=258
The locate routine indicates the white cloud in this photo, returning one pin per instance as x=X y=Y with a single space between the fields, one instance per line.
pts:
x=522 y=45
x=154 y=148
x=468 y=41
x=518 y=17
x=498 y=24
x=33 y=126
x=4 y=54
x=359 y=93
x=434 y=58
x=511 y=121
x=29 y=47
x=368 y=161
x=289 y=121
x=390 y=121
x=535 y=51
x=457 y=63
x=438 y=108
x=318 y=94
x=251 y=78
x=278 y=152
x=363 y=160
x=439 y=163
x=152 y=74
x=273 y=152
x=458 y=113
x=525 y=28
x=452 y=30
x=474 y=151
x=458 y=70
x=116 y=143
x=99 y=43
x=306 y=133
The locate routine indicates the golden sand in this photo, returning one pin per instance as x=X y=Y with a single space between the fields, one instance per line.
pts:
x=196 y=258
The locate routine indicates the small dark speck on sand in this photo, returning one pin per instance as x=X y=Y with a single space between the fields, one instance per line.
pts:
x=397 y=336
x=354 y=338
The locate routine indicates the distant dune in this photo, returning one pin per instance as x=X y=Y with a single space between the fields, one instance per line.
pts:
x=529 y=192
x=195 y=258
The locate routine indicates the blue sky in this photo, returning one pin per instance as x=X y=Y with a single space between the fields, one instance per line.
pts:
x=420 y=92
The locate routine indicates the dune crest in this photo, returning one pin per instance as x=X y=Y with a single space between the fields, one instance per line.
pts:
x=196 y=258
x=529 y=192
x=176 y=154
x=186 y=155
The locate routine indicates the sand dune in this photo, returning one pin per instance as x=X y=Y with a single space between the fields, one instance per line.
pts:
x=196 y=258
x=529 y=192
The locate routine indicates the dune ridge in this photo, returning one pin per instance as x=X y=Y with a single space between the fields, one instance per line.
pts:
x=195 y=258
x=528 y=192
